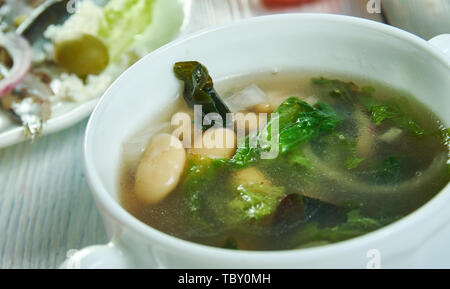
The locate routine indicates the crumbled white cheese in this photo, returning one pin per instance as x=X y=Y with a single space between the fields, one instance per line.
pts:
x=71 y=87
x=30 y=114
x=87 y=19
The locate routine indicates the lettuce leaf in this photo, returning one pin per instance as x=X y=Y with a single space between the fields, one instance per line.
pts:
x=353 y=162
x=384 y=111
x=199 y=178
x=379 y=111
x=254 y=201
x=356 y=225
x=124 y=21
x=336 y=88
x=139 y=26
x=298 y=122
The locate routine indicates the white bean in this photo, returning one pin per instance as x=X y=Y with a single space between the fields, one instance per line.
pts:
x=217 y=143
x=263 y=107
x=249 y=176
x=160 y=169
x=248 y=122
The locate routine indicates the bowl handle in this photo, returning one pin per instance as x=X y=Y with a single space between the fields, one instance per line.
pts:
x=442 y=42
x=109 y=256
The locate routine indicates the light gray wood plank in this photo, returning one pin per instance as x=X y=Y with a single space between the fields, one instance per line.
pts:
x=46 y=207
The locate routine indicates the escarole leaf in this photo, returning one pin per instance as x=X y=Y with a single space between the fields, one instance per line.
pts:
x=379 y=110
x=245 y=154
x=355 y=226
x=199 y=88
x=298 y=122
x=383 y=111
x=388 y=171
x=353 y=162
x=297 y=157
x=199 y=178
x=254 y=201
x=336 y=88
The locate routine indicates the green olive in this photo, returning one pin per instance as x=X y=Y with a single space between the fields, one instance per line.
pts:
x=82 y=54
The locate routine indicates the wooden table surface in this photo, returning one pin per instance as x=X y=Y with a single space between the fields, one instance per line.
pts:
x=46 y=207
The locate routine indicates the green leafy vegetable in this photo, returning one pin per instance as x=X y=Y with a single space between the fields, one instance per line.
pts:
x=355 y=226
x=382 y=112
x=123 y=20
x=379 y=111
x=296 y=156
x=242 y=204
x=337 y=88
x=357 y=222
x=199 y=88
x=298 y=122
x=254 y=201
x=200 y=176
x=353 y=162
x=132 y=28
x=389 y=171
x=245 y=154
x=338 y=149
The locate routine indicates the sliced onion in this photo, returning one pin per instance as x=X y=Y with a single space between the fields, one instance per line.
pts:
x=365 y=146
x=36 y=86
x=134 y=147
x=246 y=98
x=391 y=135
x=20 y=51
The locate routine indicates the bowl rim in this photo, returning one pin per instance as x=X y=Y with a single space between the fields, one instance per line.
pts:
x=108 y=204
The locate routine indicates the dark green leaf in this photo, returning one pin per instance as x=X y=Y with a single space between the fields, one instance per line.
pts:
x=244 y=155
x=380 y=111
x=199 y=177
x=386 y=172
x=296 y=156
x=199 y=88
x=298 y=122
x=336 y=88
x=231 y=243
x=356 y=225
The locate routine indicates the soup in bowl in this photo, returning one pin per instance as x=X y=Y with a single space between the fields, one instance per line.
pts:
x=281 y=141
x=282 y=160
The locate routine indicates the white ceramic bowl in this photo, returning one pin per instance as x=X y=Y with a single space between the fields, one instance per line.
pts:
x=308 y=41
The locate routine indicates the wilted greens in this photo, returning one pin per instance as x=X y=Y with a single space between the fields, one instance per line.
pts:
x=298 y=122
x=380 y=111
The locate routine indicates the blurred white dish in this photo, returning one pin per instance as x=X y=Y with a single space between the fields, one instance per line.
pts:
x=426 y=18
x=167 y=16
